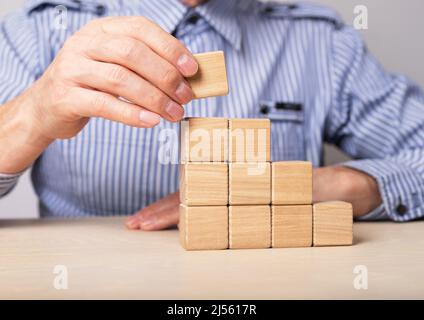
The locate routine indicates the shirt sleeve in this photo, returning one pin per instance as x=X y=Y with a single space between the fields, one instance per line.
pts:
x=18 y=68
x=7 y=183
x=377 y=214
x=378 y=119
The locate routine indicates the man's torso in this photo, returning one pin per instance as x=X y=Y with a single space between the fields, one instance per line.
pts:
x=275 y=58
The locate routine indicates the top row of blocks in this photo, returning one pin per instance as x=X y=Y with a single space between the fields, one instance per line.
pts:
x=207 y=140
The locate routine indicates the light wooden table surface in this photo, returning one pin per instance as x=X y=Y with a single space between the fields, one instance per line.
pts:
x=104 y=260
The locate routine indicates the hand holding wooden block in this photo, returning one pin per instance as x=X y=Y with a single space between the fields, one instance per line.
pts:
x=250 y=183
x=291 y=183
x=203 y=228
x=211 y=79
x=204 y=184
x=204 y=140
x=250 y=140
x=249 y=227
x=333 y=224
x=291 y=226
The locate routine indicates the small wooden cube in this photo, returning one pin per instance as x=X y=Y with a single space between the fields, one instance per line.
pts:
x=250 y=183
x=333 y=224
x=250 y=140
x=249 y=227
x=204 y=184
x=291 y=183
x=291 y=226
x=211 y=78
x=204 y=140
x=203 y=228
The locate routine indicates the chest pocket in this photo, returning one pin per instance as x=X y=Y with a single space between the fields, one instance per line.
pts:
x=287 y=130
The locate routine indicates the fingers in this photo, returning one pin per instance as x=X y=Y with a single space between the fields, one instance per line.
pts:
x=92 y=103
x=158 y=216
x=121 y=82
x=150 y=220
x=138 y=57
x=164 y=44
x=133 y=58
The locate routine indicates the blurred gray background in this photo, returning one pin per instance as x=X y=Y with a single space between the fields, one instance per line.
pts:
x=394 y=36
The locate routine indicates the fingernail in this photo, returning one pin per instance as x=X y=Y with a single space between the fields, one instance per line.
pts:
x=175 y=111
x=132 y=223
x=150 y=119
x=184 y=93
x=187 y=65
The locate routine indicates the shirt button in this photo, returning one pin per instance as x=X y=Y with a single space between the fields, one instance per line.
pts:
x=269 y=10
x=193 y=19
x=402 y=209
x=100 y=10
x=264 y=109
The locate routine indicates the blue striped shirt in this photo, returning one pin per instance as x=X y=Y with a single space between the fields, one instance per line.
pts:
x=277 y=55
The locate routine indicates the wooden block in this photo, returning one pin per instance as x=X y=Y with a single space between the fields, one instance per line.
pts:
x=211 y=79
x=291 y=183
x=250 y=183
x=250 y=140
x=203 y=228
x=333 y=224
x=204 y=184
x=249 y=227
x=204 y=140
x=291 y=226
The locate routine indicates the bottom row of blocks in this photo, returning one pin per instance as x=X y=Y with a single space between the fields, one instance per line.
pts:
x=255 y=227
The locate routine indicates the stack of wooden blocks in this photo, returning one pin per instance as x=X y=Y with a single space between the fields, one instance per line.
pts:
x=232 y=196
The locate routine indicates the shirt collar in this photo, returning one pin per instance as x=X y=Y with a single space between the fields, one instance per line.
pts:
x=222 y=15
x=166 y=13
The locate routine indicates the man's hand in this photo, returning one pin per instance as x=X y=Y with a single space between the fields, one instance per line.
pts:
x=128 y=57
x=330 y=183
x=124 y=69
x=158 y=216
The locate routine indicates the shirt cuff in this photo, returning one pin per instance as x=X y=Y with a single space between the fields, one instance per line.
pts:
x=8 y=182
x=378 y=214
x=401 y=188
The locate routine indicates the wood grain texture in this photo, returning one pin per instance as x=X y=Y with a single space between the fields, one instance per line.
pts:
x=333 y=223
x=250 y=183
x=203 y=228
x=211 y=79
x=106 y=261
x=250 y=140
x=204 y=140
x=204 y=184
x=291 y=183
x=249 y=227
x=291 y=226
